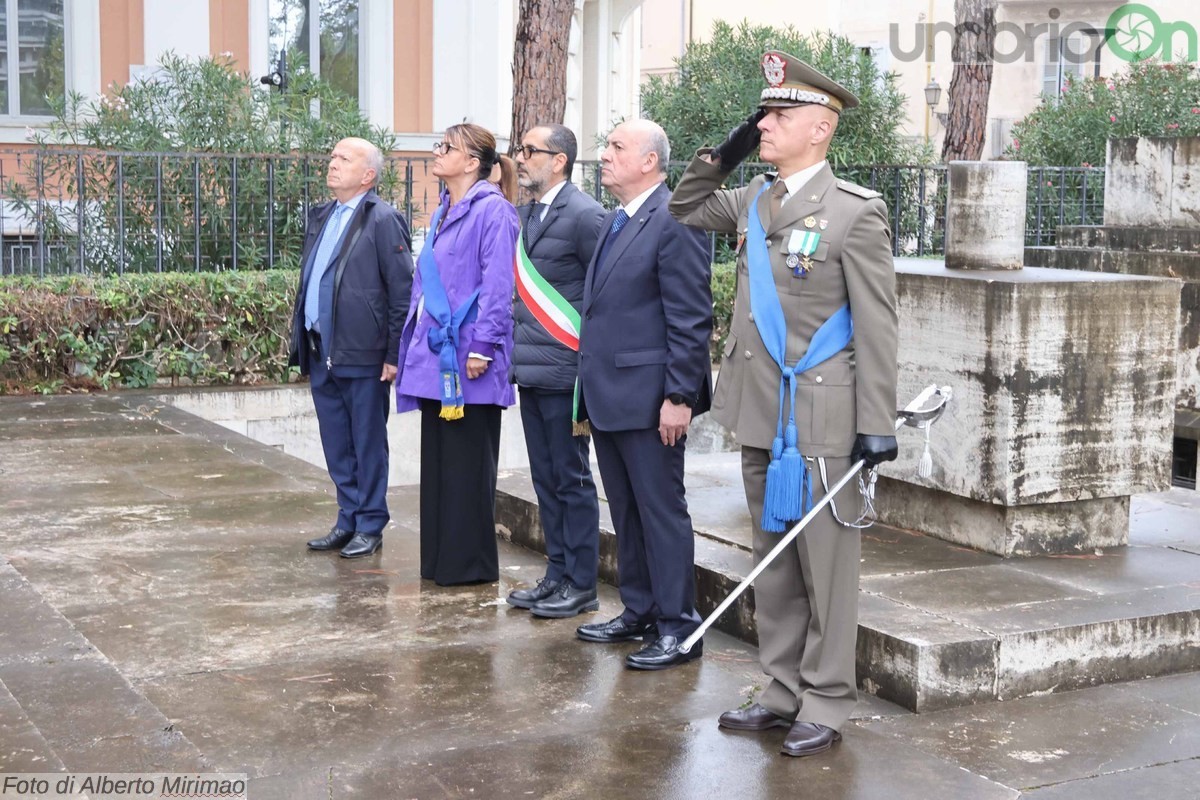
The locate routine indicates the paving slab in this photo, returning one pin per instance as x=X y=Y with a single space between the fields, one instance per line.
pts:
x=193 y=632
x=1039 y=741
x=1154 y=782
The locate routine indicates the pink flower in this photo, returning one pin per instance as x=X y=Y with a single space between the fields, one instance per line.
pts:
x=1016 y=144
x=1196 y=110
x=1172 y=126
x=1085 y=165
x=1049 y=183
x=1112 y=118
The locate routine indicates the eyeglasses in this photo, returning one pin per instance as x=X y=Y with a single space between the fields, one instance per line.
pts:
x=527 y=150
x=442 y=148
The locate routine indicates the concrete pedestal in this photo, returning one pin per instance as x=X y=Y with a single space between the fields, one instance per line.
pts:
x=1064 y=387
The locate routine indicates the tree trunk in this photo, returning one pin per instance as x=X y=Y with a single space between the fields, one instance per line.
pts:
x=974 y=41
x=540 y=65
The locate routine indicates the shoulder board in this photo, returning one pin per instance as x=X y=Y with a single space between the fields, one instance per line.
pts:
x=855 y=189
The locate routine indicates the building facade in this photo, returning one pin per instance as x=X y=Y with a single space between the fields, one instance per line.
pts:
x=416 y=66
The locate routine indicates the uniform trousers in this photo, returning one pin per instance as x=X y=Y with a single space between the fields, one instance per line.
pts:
x=806 y=601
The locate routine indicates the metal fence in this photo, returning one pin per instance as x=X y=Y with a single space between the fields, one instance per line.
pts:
x=109 y=213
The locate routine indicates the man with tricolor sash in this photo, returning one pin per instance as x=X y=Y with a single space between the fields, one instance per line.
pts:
x=559 y=230
x=807 y=383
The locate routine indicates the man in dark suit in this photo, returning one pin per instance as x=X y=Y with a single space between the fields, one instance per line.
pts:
x=644 y=373
x=355 y=282
x=559 y=230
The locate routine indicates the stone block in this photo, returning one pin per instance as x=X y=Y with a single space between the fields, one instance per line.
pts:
x=985 y=215
x=1153 y=182
x=1064 y=391
x=1009 y=531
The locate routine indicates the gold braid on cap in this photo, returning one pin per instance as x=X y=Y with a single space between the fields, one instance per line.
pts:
x=801 y=93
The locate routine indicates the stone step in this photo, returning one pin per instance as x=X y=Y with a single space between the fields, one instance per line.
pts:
x=1115 y=237
x=940 y=625
x=1156 y=264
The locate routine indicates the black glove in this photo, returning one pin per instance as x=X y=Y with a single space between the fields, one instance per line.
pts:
x=740 y=143
x=873 y=449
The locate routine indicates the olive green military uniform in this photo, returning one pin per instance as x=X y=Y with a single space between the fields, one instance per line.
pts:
x=807 y=599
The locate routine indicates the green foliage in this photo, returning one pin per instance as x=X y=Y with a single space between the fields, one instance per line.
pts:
x=1149 y=99
x=718 y=84
x=139 y=330
x=185 y=210
x=724 y=292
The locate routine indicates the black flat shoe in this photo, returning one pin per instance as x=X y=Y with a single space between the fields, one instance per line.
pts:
x=362 y=545
x=336 y=539
x=615 y=630
x=525 y=598
x=662 y=653
x=566 y=602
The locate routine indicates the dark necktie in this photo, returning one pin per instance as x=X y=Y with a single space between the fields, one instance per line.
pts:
x=618 y=223
x=534 y=223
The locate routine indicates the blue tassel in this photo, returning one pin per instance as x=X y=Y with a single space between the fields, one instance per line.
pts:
x=772 y=521
x=792 y=475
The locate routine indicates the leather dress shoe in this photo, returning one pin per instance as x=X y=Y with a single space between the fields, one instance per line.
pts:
x=525 y=598
x=363 y=544
x=615 y=630
x=809 y=738
x=663 y=652
x=754 y=718
x=334 y=540
x=567 y=601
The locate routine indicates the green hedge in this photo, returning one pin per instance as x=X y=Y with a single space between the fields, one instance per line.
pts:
x=80 y=333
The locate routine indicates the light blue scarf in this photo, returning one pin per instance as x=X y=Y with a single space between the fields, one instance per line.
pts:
x=443 y=337
x=789 y=484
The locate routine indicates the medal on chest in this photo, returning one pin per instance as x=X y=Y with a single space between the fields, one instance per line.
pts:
x=800 y=247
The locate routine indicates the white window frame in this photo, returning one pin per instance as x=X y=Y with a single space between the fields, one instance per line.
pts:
x=12 y=44
x=1056 y=68
x=365 y=25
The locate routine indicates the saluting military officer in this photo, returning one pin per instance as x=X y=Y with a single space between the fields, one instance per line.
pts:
x=814 y=323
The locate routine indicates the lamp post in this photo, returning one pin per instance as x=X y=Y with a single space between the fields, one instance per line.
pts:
x=933 y=95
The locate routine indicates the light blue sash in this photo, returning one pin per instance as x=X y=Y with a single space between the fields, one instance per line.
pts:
x=789 y=486
x=443 y=337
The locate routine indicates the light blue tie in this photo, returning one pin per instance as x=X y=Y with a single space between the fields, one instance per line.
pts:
x=329 y=240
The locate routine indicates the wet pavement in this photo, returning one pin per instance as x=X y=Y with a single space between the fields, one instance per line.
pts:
x=162 y=614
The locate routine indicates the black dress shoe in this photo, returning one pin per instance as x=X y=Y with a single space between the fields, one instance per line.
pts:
x=363 y=544
x=754 y=718
x=334 y=540
x=615 y=630
x=809 y=738
x=525 y=598
x=663 y=652
x=566 y=602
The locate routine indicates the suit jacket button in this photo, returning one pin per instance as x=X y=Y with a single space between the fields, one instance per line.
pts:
x=819 y=379
x=752 y=318
x=749 y=354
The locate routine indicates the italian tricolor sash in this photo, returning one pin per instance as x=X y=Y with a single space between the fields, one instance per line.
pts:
x=549 y=307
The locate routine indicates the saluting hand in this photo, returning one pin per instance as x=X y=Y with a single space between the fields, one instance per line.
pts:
x=740 y=143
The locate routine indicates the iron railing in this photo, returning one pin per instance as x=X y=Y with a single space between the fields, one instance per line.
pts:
x=64 y=211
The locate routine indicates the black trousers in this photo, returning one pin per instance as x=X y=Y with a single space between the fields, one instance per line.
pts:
x=566 y=493
x=458 y=494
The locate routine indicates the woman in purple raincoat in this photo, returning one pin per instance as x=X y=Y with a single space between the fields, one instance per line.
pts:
x=455 y=351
